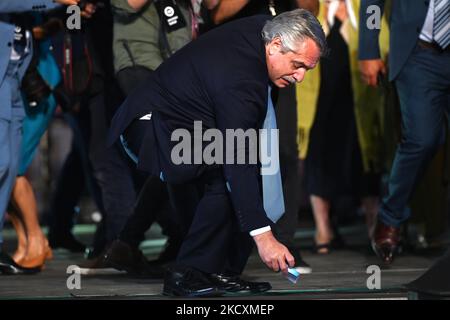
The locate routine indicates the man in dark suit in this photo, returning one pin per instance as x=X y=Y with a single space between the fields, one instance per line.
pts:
x=286 y=114
x=419 y=64
x=223 y=80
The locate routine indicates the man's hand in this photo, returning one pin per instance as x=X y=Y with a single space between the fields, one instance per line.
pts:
x=273 y=253
x=88 y=10
x=226 y=9
x=67 y=2
x=137 y=4
x=370 y=69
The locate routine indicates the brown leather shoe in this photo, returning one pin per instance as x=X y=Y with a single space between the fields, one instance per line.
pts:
x=385 y=241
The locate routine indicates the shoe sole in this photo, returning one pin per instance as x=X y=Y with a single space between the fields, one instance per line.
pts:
x=254 y=291
x=99 y=271
x=11 y=271
x=206 y=294
x=303 y=270
x=134 y=273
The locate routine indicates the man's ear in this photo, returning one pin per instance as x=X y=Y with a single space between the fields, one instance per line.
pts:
x=274 y=46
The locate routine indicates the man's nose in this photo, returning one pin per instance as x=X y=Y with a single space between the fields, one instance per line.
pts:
x=299 y=75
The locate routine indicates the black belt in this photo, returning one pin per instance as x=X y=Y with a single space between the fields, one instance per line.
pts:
x=433 y=46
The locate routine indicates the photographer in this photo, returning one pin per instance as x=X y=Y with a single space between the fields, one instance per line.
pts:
x=144 y=37
x=85 y=58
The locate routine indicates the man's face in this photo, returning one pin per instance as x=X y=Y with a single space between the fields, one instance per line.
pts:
x=290 y=67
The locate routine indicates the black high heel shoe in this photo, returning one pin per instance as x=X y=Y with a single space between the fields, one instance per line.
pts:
x=323 y=248
x=9 y=267
x=335 y=244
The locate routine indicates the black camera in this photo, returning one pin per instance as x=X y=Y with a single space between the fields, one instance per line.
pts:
x=34 y=86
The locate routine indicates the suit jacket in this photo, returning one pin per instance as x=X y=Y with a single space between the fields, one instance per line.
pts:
x=7 y=40
x=220 y=79
x=406 y=22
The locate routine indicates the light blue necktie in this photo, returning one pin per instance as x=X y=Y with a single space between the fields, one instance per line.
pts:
x=273 y=198
x=441 y=24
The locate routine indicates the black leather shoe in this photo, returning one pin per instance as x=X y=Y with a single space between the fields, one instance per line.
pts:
x=189 y=282
x=8 y=266
x=236 y=284
x=122 y=256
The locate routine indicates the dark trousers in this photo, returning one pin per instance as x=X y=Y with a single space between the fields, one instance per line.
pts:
x=77 y=173
x=172 y=206
x=424 y=91
x=214 y=243
x=155 y=199
x=122 y=181
x=152 y=205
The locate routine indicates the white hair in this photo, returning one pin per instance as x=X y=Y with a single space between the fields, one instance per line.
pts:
x=294 y=27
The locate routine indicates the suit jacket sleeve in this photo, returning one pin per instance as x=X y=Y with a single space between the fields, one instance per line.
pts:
x=241 y=107
x=369 y=47
x=11 y=6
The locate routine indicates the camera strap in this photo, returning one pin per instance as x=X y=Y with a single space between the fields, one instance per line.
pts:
x=164 y=9
x=67 y=62
x=68 y=66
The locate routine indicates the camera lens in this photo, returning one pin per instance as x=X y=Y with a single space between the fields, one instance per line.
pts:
x=35 y=88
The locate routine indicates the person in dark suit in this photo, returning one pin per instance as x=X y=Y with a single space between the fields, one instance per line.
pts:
x=286 y=114
x=223 y=80
x=15 y=56
x=419 y=64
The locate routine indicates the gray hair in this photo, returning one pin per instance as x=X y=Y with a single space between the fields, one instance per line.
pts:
x=294 y=27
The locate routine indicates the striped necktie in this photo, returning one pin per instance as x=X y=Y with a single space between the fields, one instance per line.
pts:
x=441 y=25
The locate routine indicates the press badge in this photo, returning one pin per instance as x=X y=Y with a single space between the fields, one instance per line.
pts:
x=170 y=14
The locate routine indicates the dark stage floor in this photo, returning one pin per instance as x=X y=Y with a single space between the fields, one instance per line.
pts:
x=340 y=275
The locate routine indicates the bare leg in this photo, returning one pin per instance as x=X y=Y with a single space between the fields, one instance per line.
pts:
x=324 y=232
x=25 y=202
x=370 y=207
x=21 y=250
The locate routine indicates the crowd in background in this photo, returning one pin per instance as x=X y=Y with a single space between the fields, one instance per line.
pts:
x=337 y=134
